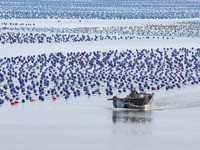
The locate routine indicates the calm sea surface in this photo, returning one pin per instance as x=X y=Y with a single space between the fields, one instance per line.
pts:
x=93 y=123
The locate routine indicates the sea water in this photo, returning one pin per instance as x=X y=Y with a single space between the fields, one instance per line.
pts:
x=91 y=123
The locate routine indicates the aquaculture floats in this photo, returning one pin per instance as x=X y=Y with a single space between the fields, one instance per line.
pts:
x=99 y=9
x=39 y=77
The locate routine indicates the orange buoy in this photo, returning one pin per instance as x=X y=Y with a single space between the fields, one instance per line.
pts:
x=32 y=99
x=85 y=59
x=185 y=83
x=54 y=97
x=16 y=101
x=154 y=88
x=12 y=102
x=177 y=66
x=181 y=79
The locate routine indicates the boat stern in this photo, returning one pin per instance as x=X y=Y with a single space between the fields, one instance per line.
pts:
x=118 y=104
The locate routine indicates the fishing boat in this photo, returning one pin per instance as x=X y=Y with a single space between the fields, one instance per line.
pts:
x=142 y=101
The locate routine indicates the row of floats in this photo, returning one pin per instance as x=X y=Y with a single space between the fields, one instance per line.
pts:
x=38 y=77
x=12 y=38
x=99 y=9
x=191 y=29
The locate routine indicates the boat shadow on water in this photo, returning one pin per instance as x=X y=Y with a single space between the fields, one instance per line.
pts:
x=131 y=116
x=132 y=122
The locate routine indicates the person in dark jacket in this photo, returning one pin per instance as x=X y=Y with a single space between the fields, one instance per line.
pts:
x=133 y=94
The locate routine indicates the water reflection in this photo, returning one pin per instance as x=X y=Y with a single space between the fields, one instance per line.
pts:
x=132 y=122
x=133 y=116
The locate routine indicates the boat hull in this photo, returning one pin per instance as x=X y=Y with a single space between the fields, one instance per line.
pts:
x=123 y=103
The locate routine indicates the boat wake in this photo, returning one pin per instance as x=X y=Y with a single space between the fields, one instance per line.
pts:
x=176 y=103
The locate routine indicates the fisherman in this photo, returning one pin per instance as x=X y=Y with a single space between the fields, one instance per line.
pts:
x=133 y=94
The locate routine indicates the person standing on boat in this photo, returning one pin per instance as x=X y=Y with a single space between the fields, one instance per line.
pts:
x=133 y=94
